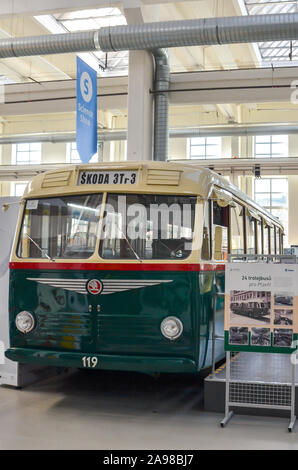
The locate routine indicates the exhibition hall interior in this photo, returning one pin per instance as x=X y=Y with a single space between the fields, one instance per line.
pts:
x=148 y=232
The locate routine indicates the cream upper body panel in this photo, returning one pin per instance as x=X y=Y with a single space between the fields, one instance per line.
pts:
x=153 y=178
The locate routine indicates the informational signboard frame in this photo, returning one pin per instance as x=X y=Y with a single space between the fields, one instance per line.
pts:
x=261 y=306
x=261 y=316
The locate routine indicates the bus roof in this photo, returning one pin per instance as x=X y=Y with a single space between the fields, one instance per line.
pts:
x=152 y=177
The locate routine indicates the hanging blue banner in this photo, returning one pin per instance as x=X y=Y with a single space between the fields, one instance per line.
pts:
x=86 y=111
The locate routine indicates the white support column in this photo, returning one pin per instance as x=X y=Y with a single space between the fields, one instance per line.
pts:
x=140 y=101
x=234 y=179
x=235 y=147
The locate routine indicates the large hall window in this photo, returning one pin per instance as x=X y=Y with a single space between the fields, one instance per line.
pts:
x=72 y=155
x=17 y=189
x=271 y=146
x=26 y=154
x=272 y=194
x=205 y=147
x=237 y=229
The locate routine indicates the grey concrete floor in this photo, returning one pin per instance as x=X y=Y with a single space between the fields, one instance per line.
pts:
x=116 y=410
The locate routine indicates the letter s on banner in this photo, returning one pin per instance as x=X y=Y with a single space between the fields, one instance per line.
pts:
x=86 y=111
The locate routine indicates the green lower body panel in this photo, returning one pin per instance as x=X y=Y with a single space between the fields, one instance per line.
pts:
x=104 y=361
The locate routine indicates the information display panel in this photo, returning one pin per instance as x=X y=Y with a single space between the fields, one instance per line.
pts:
x=261 y=307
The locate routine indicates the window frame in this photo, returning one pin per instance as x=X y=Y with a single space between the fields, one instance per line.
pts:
x=243 y=226
x=77 y=161
x=133 y=258
x=206 y=145
x=19 y=235
x=271 y=208
x=255 y=232
x=271 y=144
x=15 y=152
x=13 y=186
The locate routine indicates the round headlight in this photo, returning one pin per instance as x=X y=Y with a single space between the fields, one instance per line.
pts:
x=25 y=322
x=171 y=327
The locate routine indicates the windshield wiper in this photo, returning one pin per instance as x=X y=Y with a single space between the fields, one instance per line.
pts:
x=128 y=242
x=40 y=249
x=130 y=246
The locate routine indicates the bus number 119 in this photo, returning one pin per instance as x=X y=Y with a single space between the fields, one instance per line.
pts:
x=89 y=361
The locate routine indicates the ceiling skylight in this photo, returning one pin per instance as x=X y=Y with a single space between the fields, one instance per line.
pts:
x=91 y=19
x=279 y=53
x=112 y=63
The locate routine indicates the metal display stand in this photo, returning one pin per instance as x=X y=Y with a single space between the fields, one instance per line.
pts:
x=257 y=392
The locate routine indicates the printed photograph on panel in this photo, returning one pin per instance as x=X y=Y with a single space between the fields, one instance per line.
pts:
x=284 y=299
x=260 y=337
x=283 y=316
x=238 y=336
x=282 y=337
x=250 y=307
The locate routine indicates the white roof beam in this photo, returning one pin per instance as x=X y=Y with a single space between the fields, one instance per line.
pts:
x=44 y=7
x=227 y=111
x=220 y=87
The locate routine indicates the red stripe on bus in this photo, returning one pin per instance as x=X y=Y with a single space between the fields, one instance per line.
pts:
x=117 y=267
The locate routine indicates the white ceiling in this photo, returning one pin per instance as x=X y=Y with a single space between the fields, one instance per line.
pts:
x=51 y=75
x=279 y=53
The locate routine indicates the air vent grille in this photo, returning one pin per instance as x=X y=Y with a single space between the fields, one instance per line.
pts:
x=163 y=177
x=56 y=179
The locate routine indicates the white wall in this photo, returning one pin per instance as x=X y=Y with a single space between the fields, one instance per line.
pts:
x=231 y=147
x=8 y=219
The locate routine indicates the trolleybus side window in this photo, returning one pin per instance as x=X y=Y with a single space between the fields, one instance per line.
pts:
x=259 y=235
x=266 y=230
x=206 y=245
x=220 y=231
x=278 y=241
x=145 y=226
x=237 y=229
x=272 y=241
x=251 y=233
x=277 y=247
x=60 y=227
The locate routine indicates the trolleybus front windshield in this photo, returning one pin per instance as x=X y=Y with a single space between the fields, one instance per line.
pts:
x=134 y=226
x=147 y=226
x=61 y=227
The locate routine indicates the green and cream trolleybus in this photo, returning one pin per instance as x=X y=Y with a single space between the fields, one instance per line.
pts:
x=115 y=266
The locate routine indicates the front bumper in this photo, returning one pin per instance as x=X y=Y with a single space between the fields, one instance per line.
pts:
x=149 y=364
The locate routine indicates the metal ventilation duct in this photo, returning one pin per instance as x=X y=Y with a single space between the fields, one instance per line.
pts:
x=161 y=105
x=230 y=131
x=182 y=133
x=49 y=44
x=198 y=32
